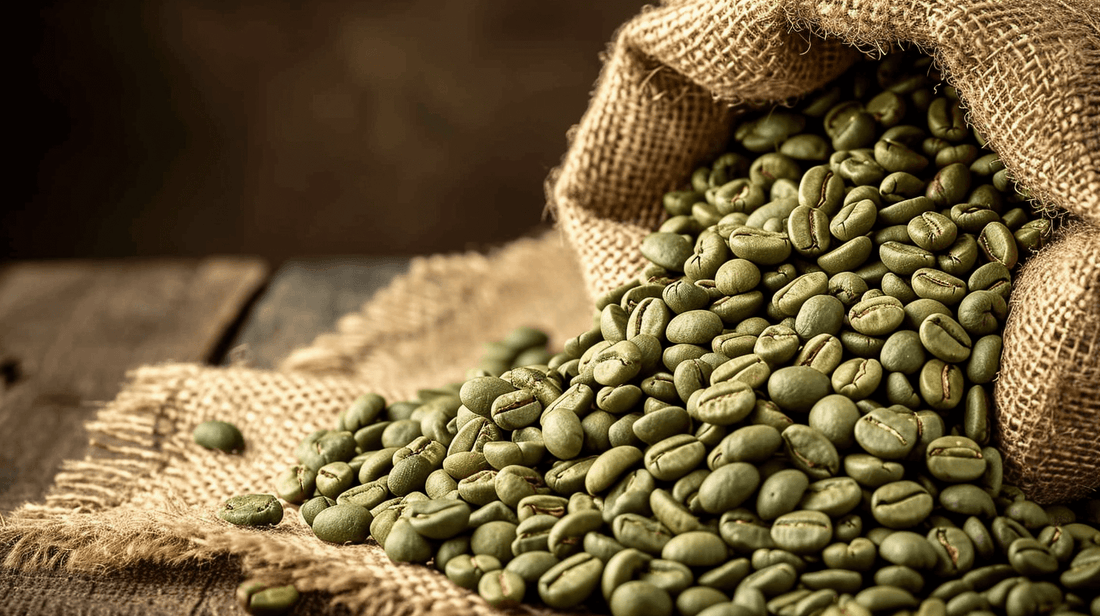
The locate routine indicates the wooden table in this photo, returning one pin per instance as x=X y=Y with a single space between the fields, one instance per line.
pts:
x=69 y=332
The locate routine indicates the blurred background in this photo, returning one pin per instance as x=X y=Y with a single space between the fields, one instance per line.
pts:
x=198 y=127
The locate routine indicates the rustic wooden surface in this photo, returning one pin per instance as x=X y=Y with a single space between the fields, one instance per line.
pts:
x=305 y=298
x=69 y=331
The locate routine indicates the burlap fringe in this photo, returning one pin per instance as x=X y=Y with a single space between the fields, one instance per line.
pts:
x=76 y=527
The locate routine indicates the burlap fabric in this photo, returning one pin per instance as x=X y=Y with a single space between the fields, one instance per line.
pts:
x=678 y=76
x=149 y=494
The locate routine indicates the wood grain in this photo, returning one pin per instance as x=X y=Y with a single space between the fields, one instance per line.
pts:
x=305 y=298
x=69 y=332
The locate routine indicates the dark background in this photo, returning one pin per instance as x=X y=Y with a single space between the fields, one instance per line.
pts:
x=196 y=127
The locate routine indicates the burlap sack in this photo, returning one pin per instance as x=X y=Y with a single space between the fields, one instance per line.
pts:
x=677 y=77
x=148 y=496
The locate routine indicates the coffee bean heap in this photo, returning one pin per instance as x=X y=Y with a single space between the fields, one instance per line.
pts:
x=788 y=412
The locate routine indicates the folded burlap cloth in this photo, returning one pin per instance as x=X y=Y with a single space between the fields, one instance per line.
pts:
x=673 y=84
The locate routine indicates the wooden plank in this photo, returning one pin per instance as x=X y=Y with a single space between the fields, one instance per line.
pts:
x=304 y=299
x=69 y=332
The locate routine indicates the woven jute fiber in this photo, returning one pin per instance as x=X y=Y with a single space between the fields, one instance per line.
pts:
x=149 y=494
x=1049 y=385
x=678 y=76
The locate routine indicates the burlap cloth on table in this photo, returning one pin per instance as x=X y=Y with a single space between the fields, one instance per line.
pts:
x=672 y=85
x=149 y=495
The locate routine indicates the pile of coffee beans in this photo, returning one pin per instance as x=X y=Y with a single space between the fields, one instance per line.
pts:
x=788 y=412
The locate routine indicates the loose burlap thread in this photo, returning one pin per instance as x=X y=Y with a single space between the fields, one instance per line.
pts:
x=677 y=78
x=148 y=495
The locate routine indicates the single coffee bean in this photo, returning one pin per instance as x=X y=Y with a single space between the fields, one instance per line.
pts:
x=901 y=504
x=696 y=549
x=877 y=316
x=998 y=244
x=614 y=366
x=640 y=597
x=945 y=338
x=955 y=459
x=822 y=353
x=798 y=388
x=777 y=344
x=857 y=378
x=219 y=435
x=514 y=483
x=334 y=478
x=674 y=457
x=941 y=385
x=251 y=510
x=438 y=519
x=811 y=451
x=502 y=588
x=1031 y=558
x=887 y=433
x=982 y=312
x=759 y=246
x=835 y=496
x=668 y=250
x=808 y=227
x=835 y=416
x=263 y=599
x=930 y=283
x=567 y=477
x=563 y=433
x=724 y=403
x=609 y=466
x=728 y=486
x=993 y=277
x=821 y=314
x=298 y=482
x=343 y=523
x=932 y=231
x=959 y=258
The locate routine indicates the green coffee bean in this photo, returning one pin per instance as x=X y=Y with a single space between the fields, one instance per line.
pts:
x=251 y=510
x=639 y=597
x=798 y=388
x=264 y=599
x=343 y=523
x=901 y=504
x=941 y=385
x=955 y=459
x=944 y=338
x=811 y=451
x=876 y=316
x=888 y=433
x=219 y=435
x=728 y=486
x=857 y=378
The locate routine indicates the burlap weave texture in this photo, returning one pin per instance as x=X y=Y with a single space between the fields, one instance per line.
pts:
x=678 y=76
x=150 y=496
